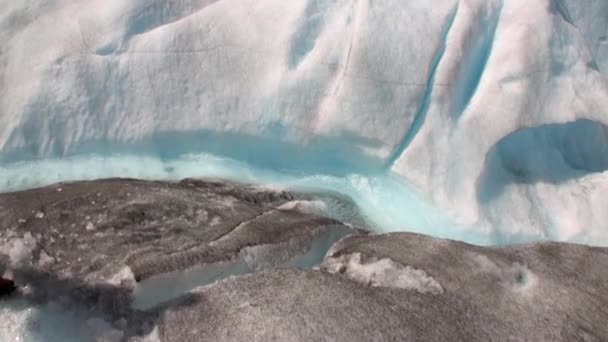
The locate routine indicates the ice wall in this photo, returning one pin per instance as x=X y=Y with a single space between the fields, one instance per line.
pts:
x=493 y=110
x=532 y=133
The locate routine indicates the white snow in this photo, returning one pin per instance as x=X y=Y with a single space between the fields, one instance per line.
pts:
x=539 y=79
x=382 y=273
x=307 y=207
x=19 y=250
x=348 y=94
x=124 y=277
x=335 y=208
x=90 y=226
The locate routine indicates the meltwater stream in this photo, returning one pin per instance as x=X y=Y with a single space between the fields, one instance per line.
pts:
x=387 y=202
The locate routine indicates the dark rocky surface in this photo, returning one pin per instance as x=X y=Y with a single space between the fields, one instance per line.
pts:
x=92 y=229
x=130 y=253
x=380 y=288
x=97 y=244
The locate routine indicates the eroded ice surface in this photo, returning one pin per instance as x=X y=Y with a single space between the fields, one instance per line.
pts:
x=480 y=120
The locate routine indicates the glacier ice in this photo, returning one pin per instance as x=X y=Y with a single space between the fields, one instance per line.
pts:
x=479 y=120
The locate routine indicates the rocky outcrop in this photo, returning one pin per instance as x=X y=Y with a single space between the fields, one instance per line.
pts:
x=407 y=287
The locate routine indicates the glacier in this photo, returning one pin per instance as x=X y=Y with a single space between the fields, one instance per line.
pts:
x=479 y=120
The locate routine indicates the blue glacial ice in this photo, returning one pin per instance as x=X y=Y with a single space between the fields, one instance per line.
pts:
x=477 y=120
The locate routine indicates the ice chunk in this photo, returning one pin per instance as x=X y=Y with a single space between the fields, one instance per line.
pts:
x=90 y=226
x=307 y=207
x=382 y=273
x=124 y=277
x=19 y=250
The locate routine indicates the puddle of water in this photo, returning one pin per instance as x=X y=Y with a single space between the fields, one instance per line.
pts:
x=155 y=290
x=158 y=289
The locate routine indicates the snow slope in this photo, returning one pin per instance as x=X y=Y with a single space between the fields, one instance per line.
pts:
x=493 y=111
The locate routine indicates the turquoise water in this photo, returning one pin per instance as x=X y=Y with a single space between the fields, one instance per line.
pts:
x=388 y=203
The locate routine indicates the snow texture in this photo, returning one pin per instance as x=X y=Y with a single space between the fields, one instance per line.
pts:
x=493 y=112
x=19 y=250
x=382 y=273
